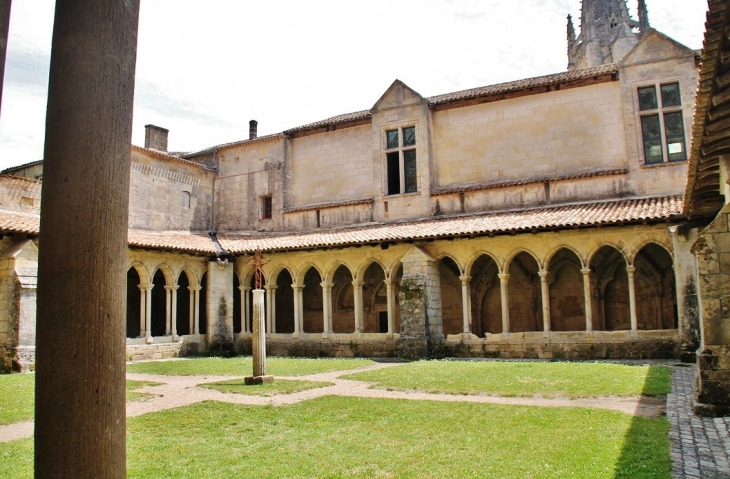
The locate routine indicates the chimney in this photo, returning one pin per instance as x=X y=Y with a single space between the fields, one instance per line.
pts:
x=155 y=138
x=252 y=129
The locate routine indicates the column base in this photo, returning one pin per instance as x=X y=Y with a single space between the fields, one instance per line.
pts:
x=295 y=335
x=711 y=410
x=253 y=380
x=148 y=340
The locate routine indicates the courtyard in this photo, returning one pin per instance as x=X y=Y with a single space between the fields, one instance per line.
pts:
x=361 y=418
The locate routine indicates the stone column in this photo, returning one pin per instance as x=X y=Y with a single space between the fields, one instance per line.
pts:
x=298 y=310
x=191 y=325
x=4 y=27
x=357 y=297
x=168 y=310
x=630 y=270
x=258 y=345
x=142 y=310
x=422 y=329
x=148 y=314
x=588 y=298
x=391 y=306
x=220 y=306
x=271 y=312
x=80 y=374
x=466 y=304
x=244 y=308
x=504 y=291
x=196 y=309
x=173 y=313
x=545 y=293
x=326 y=308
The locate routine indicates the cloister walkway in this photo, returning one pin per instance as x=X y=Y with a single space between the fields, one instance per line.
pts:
x=700 y=447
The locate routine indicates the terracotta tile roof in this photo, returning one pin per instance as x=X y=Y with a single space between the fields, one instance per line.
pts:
x=710 y=129
x=525 y=84
x=445 y=190
x=335 y=120
x=164 y=156
x=232 y=144
x=183 y=241
x=334 y=204
x=16 y=222
x=24 y=165
x=564 y=216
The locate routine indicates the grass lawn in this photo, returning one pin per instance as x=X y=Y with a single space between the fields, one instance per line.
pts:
x=17 y=396
x=243 y=366
x=280 y=386
x=357 y=437
x=519 y=378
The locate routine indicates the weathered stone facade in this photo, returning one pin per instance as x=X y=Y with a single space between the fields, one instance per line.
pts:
x=514 y=220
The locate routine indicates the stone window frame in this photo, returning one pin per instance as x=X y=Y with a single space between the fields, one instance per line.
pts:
x=660 y=111
x=267 y=209
x=401 y=150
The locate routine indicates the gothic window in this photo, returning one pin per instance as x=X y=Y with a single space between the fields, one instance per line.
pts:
x=662 y=126
x=401 y=166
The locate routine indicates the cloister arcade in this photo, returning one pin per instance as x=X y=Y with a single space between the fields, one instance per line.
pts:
x=611 y=287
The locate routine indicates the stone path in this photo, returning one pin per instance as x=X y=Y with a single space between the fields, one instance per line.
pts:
x=700 y=447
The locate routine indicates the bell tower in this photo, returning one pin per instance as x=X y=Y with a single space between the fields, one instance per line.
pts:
x=607 y=33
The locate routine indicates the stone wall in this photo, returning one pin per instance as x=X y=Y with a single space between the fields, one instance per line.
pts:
x=551 y=133
x=20 y=194
x=713 y=264
x=169 y=195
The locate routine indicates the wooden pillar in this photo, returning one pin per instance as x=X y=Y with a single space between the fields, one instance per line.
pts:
x=630 y=270
x=466 y=304
x=504 y=292
x=545 y=293
x=80 y=368
x=588 y=298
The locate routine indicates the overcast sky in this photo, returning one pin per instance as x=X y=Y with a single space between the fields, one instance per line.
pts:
x=204 y=69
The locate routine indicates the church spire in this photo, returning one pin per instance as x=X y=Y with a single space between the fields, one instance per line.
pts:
x=607 y=32
x=643 y=17
x=571 y=43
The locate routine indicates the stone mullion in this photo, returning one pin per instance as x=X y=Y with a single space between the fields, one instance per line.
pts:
x=168 y=310
x=148 y=314
x=196 y=309
x=173 y=312
x=326 y=309
x=357 y=297
x=298 y=310
x=142 y=310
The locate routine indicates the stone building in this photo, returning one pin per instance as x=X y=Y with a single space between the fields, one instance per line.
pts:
x=537 y=218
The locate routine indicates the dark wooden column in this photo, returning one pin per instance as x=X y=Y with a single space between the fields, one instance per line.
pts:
x=4 y=24
x=80 y=394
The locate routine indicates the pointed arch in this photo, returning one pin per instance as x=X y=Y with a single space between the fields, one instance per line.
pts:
x=656 y=296
x=525 y=297
x=283 y=301
x=305 y=269
x=312 y=299
x=475 y=257
x=343 y=300
x=158 y=319
x=375 y=299
x=486 y=299
x=563 y=247
x=134 y=302
x=452 y=304
x=609 y=289
x=566 y=291
x=510 y=258
x=167 y=273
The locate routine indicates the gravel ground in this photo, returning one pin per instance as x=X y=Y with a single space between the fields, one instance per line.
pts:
x=177 y=391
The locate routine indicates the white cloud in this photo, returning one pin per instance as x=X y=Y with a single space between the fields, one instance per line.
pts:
x=205 y=69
